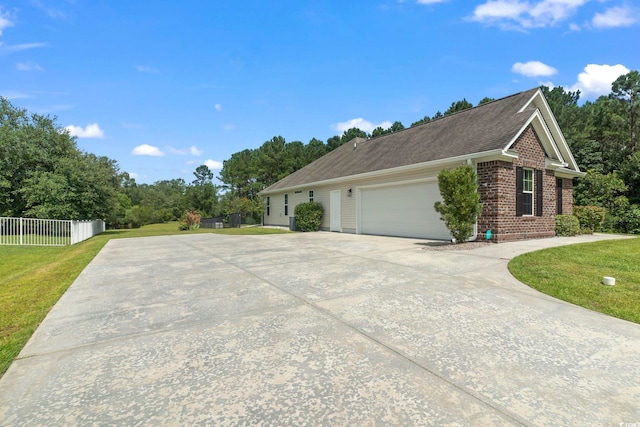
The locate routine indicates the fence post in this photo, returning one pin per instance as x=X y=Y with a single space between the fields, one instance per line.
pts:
x=21 y=231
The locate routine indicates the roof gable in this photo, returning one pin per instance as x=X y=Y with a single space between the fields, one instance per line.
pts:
x=488 y=129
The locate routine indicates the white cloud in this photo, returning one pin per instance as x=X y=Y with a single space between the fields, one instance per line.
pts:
x=133 y=175
x=359 y=123
x=49 y=10
x=533 y=69
x=519 y=14
x=147 y=150
x=11 y=94
x=596 y=79
x=218 y=107
x=90 y=131
x=22 y=46
x=5 y=21
x=28 y=66
x=213 y=164
x=615 y=17
x=146 y=69
x=193 y=150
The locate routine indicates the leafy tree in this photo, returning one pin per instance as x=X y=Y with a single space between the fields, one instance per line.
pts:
x=425 y=119
x=458 y=106
x=240 y=174
x=245 y=206
x=314 y=150
x=396 y=126
x=352 y=133
x=379 y=131
x=202 y=194
x=597 y=189
x=486 y=100
x=460 y=204
x=30 y=144
x=626 y=89
x=203 y=175
x=333 y=143
x=630 y=174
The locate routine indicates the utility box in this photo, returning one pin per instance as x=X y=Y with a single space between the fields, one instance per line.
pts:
x=292 y=223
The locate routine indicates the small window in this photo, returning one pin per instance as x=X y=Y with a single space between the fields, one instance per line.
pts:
x=268 y=205
x=311 y=195
x=286 y=204
x=527 y=192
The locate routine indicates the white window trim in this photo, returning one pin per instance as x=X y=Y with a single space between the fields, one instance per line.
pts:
x=532 y=192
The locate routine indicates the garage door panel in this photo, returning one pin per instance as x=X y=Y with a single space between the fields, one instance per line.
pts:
x=402 y=210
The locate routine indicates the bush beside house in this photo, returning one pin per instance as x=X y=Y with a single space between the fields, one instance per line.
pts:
x=309 y=216
x=460 y=204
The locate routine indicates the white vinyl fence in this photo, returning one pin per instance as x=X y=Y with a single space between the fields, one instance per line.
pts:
x=47 y=232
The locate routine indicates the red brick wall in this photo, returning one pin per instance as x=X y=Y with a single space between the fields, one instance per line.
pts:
x=567 y=196
x=497 y=184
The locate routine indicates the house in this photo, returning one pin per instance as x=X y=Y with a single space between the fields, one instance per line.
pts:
x=388 y=185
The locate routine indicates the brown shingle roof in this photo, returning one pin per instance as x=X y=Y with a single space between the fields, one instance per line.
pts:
x=487 y=127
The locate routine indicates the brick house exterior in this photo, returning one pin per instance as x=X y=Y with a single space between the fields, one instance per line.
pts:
x=388 y=185
x=497 y=184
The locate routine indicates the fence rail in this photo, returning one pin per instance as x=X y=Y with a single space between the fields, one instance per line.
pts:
x=47 y=232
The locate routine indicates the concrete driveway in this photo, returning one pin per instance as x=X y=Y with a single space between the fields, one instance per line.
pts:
x=319 y=329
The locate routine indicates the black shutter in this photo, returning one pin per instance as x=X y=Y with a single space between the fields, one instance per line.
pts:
x=559 y=196
x=538 y=192
x=518 y=191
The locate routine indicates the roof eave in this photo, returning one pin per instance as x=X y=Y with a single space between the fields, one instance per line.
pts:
x=484 y=156
x=569 y=173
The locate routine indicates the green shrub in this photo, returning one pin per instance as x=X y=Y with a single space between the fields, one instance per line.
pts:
x=591 y=218
x=190 y=221
x=460 y=204
x=309 y=216
x=567 y=225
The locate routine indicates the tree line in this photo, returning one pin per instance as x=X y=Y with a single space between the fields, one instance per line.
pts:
x=44 y=175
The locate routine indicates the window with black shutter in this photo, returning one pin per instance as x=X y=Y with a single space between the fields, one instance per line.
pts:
x=524 y=191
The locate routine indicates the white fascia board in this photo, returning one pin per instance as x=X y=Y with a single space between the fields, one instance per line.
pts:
x=541 y=103
x=484 y=156
x=553 y=164
x=537 y=121
x=569 y=173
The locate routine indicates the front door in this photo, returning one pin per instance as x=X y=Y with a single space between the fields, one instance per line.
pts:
x=335 y=211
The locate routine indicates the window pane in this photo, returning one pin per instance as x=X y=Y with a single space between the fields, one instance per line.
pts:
x=527 y=180
x=527 y=203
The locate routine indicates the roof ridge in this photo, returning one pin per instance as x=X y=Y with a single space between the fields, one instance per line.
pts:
x=451 y=115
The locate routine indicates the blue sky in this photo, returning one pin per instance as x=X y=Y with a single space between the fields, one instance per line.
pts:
x=165 y=86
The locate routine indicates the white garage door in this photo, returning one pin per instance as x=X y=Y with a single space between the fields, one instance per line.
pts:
x=402 y=210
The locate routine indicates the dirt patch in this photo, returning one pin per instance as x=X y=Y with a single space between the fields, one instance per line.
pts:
x=448 y=246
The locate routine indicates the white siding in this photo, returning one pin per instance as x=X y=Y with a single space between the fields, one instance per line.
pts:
x=348 y=203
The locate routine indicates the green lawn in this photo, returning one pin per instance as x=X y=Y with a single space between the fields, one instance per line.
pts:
x=574 y=274
x=33 y=278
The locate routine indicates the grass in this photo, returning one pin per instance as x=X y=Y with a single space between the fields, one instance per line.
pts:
x=574 y=274
x=33 y=278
